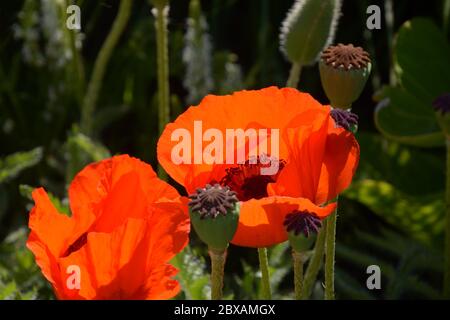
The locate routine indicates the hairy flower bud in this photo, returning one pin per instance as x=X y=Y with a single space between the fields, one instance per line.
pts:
x=309 y=27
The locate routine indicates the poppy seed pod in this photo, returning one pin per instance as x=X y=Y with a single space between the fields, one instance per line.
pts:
x=442 y=107
x=344 y=70
x=214 y=212
x=302 y=228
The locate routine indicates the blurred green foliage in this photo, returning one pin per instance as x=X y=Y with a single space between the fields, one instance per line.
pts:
x=422 y=67
x=391 y=215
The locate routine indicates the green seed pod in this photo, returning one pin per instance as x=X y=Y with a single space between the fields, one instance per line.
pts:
x=309 y=27
x=301 y=243
x=302 y=228
x=214 y=212
x=344 y=70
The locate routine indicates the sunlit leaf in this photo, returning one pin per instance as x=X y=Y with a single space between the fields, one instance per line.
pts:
x=12 y=165
x=397 y=164
x=421 y=217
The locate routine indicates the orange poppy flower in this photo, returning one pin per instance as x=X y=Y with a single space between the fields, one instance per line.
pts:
x=316 y=159
x=126 y=225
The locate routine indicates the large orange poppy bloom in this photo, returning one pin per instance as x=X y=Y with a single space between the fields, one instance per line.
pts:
x=126 y=225
x=317 y=158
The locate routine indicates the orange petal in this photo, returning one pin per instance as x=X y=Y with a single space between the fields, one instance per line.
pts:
x=261 y=221
x=170 y=229
x=51 y=235
x=242 y=110
x=117 y=188
x=54 y=229
x=339 y=164
x=46 y=261
x=161 y=284
x=306 y=145
x=126 y=199
x=101 y=259
x=127 y=263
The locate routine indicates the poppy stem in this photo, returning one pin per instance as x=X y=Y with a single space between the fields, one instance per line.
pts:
x=95 y=83
x=315 y=262
x=329 y=255
x=447 y=230
x=299 y=261
x=218 y=258
x=294 y=75
x=161 y=13
x=265 y=277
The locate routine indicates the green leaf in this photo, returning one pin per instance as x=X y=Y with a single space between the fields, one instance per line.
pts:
x=85 y=144
x=17 y=265
x=192 y=276
x=346 y=284
x=8 y=291
x=422 y=66
x=82 y=150
x=12 y=165
x=395 y=163
x=422 y=217
x=402 y=261
x=402 y=117
x=422 y=60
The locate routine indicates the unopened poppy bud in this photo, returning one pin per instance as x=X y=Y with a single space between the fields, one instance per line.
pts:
x=344 y=70
x=302 y=228
x=309 y=27
x=214 y=212
x=442 y=107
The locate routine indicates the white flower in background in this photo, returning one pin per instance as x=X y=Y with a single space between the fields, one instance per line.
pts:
x=197 y=50
x=46 y=41
x=57 y=45
x=27 y=29
x=232 y=80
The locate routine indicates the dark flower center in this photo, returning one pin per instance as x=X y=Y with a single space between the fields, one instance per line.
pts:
x=246 y=179
x=442 y=103
x=344 y=118
x=346 y=56
x=212 y=200
x=302 y=222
